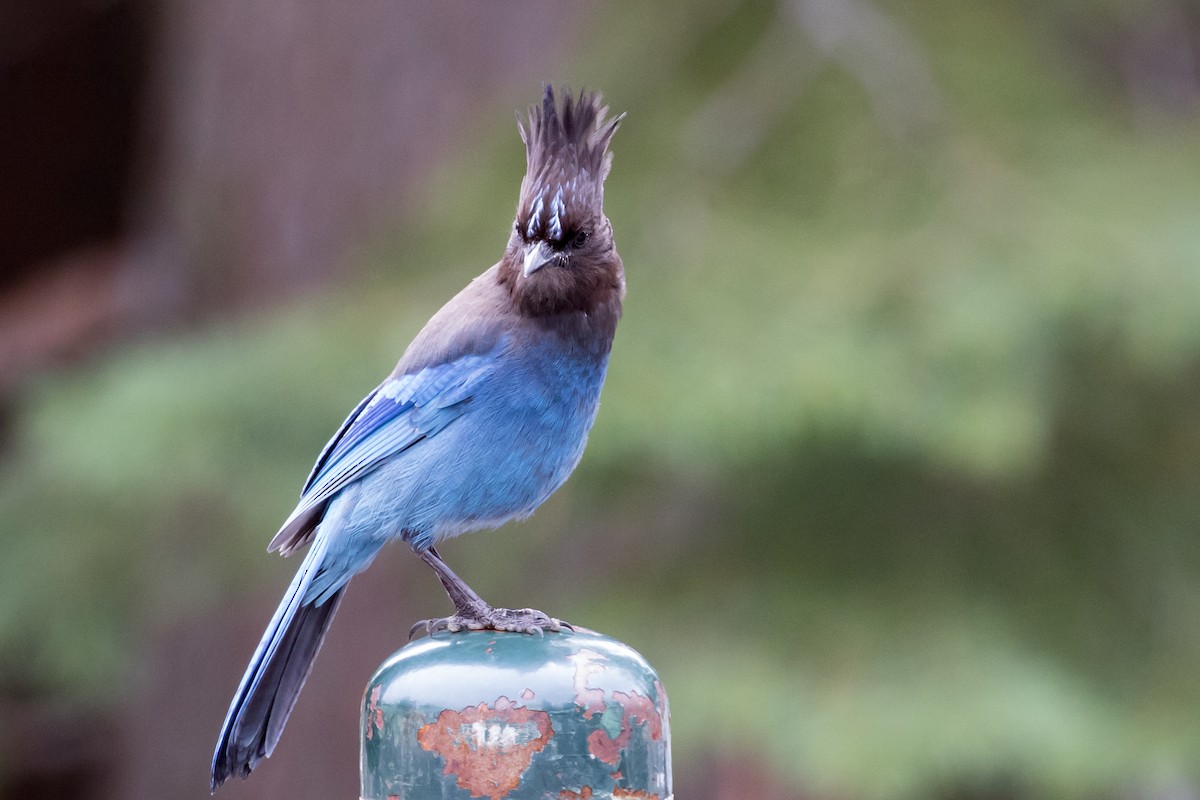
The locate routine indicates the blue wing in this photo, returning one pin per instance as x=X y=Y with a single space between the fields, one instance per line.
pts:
x=402 y=411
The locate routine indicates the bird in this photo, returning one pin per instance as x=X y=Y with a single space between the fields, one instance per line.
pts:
x=485 y=415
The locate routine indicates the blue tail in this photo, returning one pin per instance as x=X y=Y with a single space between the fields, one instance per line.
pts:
x=272 y=682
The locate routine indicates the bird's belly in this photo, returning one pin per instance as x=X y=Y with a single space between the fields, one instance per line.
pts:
x=498 y=461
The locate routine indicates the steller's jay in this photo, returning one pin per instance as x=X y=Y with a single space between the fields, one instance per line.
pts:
x=485 y=415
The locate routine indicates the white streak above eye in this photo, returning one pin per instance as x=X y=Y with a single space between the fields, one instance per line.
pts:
x=535 y=213
x=556 y=211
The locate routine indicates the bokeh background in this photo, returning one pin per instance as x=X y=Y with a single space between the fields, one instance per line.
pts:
x=897 y=475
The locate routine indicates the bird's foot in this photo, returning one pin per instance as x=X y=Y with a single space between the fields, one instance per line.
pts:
x=514 y=620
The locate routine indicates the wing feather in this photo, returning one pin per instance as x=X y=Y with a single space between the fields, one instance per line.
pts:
x=402 y=411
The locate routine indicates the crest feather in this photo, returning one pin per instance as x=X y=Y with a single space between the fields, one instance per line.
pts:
x=580 y=132
x=566 y=153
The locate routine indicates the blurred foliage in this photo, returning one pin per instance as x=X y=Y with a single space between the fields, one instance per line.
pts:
x=896 y=476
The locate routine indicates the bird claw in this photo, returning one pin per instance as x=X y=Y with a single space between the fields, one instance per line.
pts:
x=512 y=620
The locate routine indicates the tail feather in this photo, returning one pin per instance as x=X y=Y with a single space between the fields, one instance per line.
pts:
x=272 y=682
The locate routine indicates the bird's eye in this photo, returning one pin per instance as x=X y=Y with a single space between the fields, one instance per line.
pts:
x=580 y=239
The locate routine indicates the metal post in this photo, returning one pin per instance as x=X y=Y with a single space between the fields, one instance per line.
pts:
x=508 y=716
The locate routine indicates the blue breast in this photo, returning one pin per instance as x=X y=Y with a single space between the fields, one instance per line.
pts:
x=521 y=436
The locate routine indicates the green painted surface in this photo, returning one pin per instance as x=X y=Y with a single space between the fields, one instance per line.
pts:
x=504 y=715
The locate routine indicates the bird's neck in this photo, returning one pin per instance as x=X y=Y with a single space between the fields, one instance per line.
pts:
x=589 y=332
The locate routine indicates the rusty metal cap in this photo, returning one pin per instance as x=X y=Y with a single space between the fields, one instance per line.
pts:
x=508 y=716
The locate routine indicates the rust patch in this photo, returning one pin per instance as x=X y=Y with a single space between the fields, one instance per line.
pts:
x=374 y=713
x=634 y=708
x=590 y=700
x=641 y=708
x=487 y=747
x=606 y=748
x=633 y=794
x=583 y=794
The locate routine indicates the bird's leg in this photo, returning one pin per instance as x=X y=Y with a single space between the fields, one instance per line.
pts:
x=472 y=613
x=466 y=602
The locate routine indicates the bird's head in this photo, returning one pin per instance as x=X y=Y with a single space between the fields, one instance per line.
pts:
x=561 y=255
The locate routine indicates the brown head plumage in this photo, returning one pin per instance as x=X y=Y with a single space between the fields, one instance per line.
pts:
x=561 y=255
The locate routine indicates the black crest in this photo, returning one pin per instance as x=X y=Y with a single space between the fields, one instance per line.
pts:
x=567 y=160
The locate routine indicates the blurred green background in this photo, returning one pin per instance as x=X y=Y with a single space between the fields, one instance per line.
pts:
x=896 y=478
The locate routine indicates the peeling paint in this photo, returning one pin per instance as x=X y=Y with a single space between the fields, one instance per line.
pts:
x=488 y=748
x=584 y=793
x=639 y=707
x=633 y=794
x=586 y=665
x=374 y=718
x=606 y=748
x=634 y=708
